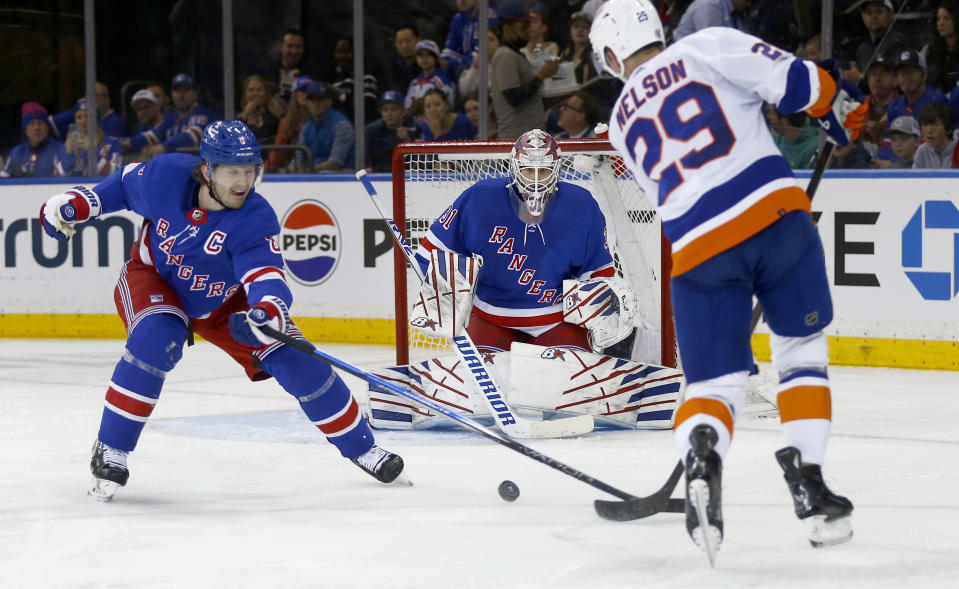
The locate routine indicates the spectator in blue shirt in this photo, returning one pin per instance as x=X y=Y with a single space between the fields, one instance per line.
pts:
x=181 y=128
x=328 y=133
x=441 y=122
x=916 y=94
x=71 y=158
x=393 y=127
x=111 y=123
x=35 y=156
x=463 y=38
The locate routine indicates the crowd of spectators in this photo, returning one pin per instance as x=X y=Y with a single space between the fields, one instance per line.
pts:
x=541 y=75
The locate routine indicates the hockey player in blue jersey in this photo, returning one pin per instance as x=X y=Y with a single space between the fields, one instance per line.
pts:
x=521 y=262
x=206 y=261
x=690 y=128
x=533 y=232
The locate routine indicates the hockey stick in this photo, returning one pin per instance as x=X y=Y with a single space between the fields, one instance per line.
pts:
x=486 y=432
x=504 y=416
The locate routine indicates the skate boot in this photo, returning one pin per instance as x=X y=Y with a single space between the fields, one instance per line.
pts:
x=704 y=510
x=109 y=468
x=384 y=466
x=826 y=513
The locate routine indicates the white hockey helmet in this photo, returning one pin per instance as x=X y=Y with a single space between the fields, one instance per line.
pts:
x=622 y=28
x=534 y=165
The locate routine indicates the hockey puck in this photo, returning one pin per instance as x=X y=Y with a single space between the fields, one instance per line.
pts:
x=508 y=491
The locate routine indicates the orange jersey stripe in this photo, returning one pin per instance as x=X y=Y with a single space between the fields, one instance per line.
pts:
x=805 y=402
x=698 y=405
x=827 y=91
x=753 y=220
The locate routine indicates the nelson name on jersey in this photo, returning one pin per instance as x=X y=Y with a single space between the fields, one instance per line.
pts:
x=662 y=79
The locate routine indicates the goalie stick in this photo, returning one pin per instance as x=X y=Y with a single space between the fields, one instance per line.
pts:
x=486 y=432
x=503 y=415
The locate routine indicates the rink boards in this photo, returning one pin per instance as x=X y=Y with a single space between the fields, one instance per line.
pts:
x=891 y=242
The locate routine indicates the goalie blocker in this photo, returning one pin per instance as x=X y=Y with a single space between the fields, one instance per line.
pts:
x=548 y=380
x=443 y=306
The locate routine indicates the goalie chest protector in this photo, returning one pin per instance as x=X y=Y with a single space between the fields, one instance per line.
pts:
x=524 y=265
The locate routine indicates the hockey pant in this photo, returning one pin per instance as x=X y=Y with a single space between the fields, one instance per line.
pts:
x=157 y=329
x=783 y=266
x=490 y=337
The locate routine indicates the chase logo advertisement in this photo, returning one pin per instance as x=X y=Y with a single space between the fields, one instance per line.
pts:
x=310 y=242
x=930 y=250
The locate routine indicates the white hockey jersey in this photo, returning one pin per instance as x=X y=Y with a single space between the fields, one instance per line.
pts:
x=690 y=127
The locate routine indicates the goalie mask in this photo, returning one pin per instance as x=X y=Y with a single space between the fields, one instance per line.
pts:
x=534 y=165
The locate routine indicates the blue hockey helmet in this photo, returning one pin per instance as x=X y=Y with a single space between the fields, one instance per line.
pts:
x=231 y=143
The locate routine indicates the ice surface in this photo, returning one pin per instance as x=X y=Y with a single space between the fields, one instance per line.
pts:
x=232 y=487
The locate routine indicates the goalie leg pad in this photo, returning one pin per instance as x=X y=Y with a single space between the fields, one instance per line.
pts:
x=614 y=391
x=444 y=380
x=443 y=306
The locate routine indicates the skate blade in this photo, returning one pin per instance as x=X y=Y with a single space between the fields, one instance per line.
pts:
x=401 y=480
x=103 y=490
x=708 y=537
x=824 y=533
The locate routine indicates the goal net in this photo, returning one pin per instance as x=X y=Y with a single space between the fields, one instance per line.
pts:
x=427 y=177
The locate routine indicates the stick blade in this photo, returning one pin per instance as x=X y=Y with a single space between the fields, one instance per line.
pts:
x=641 y=507
x=638 y=508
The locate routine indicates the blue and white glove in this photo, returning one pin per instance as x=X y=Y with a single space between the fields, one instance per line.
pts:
x=60 y=213
x=270 y=311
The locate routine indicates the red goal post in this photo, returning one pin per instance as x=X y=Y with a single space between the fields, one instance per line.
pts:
x=427 y=177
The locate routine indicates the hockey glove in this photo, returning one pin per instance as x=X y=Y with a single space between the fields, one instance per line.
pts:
x=62 y=212
x=245 y=327
x=844 y=117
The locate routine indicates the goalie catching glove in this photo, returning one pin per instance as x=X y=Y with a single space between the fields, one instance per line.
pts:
x=443 y=306
x=60 y=213
x=270 y=311
x=843 y=118
x=604 y=306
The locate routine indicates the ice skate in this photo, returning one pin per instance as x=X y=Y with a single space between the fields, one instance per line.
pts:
x=704 y=512
x=109 y=468
x=826 y=513
x=384 y=466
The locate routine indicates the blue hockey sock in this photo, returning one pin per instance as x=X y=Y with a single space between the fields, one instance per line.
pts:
x=152 y=350
x=324 y=397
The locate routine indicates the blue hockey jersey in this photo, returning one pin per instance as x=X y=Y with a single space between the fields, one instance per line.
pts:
x=521 y=282
x=204 y=255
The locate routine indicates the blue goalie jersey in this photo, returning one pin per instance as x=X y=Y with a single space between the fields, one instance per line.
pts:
x=204 y=255
x=520 y=284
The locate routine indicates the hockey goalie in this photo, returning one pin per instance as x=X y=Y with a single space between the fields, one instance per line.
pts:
x=521 y=264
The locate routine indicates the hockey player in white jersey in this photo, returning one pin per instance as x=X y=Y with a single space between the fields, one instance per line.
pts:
x=690 y=127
